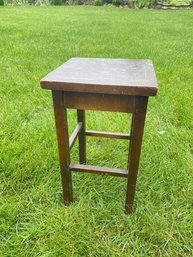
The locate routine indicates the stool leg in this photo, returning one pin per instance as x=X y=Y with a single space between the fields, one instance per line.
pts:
x=63 y=145
x=137 y=127
x=82 y=137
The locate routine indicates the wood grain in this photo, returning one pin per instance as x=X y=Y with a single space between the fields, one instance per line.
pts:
x=100 y=102
x=75 y=134
x=63 y=145
x=107 y=76
x=99 y=170
x=82 y=136
x=137 y=127
x=93 y=133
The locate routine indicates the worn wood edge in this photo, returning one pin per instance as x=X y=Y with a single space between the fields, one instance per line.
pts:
x=96 y=88
x=99 y=170
x=75 y=134
x=93 y=133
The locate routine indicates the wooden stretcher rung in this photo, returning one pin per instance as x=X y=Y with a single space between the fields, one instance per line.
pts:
x=93 y=133
x=99 y=170
x=75 y=134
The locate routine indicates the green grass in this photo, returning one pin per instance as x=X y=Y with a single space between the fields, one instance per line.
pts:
x=33 y=220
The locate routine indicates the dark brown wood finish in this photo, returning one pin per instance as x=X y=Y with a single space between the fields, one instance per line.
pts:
x=137 y=127
x=63 y=145
x=82 y=136
x=104 y=76
x=116 y=85
x=93 y=133
x=99 y=170
x=100 y=102
x=75 y=134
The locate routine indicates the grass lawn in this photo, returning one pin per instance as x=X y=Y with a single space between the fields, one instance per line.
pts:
x=33 y=220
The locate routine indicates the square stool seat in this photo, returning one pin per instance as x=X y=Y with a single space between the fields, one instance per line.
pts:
x=117 y=85
x=106 y=76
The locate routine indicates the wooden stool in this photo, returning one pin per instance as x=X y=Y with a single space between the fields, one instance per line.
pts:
x=116 y=85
